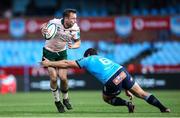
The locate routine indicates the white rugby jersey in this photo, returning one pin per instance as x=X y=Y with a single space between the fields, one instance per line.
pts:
x=58 y=43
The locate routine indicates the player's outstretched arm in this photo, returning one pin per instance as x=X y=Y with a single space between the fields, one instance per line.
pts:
x=60 y=64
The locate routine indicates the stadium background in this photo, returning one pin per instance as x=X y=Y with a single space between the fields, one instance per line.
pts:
x=143 y=36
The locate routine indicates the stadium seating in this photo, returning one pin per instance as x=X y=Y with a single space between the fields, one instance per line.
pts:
x=20 y=53
x=167 y=54
x=125 y=52
x=29 y=53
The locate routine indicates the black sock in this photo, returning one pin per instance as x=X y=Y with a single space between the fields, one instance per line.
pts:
x=155 y=102
x=117 y=101
x=54 y=90
x=64 y=91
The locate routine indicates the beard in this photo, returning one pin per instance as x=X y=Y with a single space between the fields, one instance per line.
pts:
x=70 y=24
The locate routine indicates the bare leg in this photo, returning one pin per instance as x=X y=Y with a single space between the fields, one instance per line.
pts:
x=139 y=92
x=64 y=87
x=53 y=77
x=54 y=89
x=64 y=82
x=151 y=99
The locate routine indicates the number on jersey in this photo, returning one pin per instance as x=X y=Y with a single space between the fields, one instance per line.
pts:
x=105 y=61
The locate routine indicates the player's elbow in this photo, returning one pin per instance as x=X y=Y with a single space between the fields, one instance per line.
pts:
x=79 y=42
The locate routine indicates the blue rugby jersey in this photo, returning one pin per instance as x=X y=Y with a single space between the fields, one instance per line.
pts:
x=102 y=68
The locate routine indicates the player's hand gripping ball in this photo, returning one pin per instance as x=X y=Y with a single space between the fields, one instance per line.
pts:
x=49 y=31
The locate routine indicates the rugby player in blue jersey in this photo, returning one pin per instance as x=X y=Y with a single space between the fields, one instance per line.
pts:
x=113 y=76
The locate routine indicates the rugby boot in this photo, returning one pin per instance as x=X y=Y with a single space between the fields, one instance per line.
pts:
x=131 y=107
x=166 y=110
x=60 y=107
x=67 y=104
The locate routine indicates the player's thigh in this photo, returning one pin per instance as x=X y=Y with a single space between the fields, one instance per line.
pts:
x=62 y=73
x=52 y=73
x=111 y=90
x=128 y=82
x=106 y=98
x=138 y=91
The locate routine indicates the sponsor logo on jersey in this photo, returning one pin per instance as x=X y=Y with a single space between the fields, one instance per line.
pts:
x=119 y=78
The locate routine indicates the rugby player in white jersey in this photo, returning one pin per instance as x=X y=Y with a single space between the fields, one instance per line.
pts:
x=68 y=36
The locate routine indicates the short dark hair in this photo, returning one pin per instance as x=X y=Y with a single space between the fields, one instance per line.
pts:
x=68 y=11
x=90 y=51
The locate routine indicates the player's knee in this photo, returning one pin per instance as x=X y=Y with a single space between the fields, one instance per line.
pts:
x=106 y=99
x=143 y=94
x=53 y=76
x=63 y=78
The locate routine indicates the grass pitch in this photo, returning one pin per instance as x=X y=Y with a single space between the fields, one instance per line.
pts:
x=85 y=104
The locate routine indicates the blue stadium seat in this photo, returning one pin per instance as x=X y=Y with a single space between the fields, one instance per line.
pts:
x=29 y=53
x=167 y=54
x=163 y=11
x=135 y=12
x=171 y=10
x=19 y=6
x=154 y=12
x=145 y=12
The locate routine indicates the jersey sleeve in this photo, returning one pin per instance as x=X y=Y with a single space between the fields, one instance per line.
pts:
x=82 y=62
x=55 y=20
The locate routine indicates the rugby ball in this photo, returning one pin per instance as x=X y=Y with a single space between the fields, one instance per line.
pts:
x=51 y=31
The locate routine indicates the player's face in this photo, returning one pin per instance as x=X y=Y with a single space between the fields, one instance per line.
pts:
x=71 y=20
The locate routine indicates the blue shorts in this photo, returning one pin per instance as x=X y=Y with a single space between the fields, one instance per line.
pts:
x=121 y=79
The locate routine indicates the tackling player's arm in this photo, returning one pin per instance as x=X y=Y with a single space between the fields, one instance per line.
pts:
x=60 y=64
